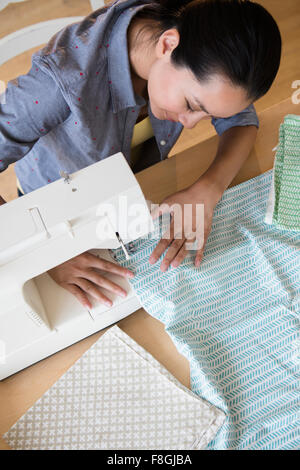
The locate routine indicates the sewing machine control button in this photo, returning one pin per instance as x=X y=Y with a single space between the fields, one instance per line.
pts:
x=163 y=142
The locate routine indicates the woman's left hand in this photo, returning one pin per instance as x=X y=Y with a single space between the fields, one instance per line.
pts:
x=192 y=212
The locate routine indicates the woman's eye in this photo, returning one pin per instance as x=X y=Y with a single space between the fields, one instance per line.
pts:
x=188 y=106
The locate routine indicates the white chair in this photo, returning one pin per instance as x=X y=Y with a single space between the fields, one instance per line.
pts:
x=32 y=36
x=26 y=38
x=36 y=34
x=95 y=4
x=4 y=3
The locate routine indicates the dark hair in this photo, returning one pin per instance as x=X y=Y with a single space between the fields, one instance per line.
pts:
x=238 y=39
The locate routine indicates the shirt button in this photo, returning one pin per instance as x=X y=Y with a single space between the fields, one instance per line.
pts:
x=163 y=142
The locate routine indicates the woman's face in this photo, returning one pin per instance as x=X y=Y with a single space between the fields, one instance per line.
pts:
x=171 y=91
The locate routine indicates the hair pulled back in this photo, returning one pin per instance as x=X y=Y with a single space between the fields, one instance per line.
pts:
x=238 y=39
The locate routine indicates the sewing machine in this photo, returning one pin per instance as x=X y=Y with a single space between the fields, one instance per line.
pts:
x=96 y=209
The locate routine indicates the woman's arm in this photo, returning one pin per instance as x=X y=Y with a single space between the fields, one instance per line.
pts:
x=235 y=145
x=33 y=105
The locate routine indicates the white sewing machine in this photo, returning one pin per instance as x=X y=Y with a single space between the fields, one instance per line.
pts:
x=85 y=211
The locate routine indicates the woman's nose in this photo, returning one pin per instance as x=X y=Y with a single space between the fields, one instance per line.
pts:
x=190 y=120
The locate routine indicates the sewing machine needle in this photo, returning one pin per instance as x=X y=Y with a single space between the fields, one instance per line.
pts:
x=122 y=245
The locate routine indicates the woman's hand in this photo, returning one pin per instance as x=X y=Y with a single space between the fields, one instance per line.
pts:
x=79 y=276
x=186 y=226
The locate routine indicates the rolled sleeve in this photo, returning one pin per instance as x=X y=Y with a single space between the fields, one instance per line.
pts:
x=247 y=117
x=30 y=107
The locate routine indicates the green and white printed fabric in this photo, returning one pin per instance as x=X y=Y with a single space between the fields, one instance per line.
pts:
x=283 y=208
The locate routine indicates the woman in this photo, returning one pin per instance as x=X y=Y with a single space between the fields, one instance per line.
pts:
x=95 y=81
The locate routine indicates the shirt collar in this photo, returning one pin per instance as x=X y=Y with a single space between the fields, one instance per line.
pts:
x=121 y=88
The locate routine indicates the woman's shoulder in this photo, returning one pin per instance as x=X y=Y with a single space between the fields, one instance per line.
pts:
x=78 y=44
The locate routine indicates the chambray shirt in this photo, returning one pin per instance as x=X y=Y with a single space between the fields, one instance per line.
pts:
x=76 y=105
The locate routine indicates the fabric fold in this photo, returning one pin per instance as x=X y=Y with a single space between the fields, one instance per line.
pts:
x=235 y=318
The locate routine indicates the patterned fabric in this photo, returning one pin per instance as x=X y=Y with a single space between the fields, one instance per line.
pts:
x=235 y=318
x=77 y=106
x=284 y=201
x=116 y=396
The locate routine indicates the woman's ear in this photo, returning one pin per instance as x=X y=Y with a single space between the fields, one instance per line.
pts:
x=167 y=42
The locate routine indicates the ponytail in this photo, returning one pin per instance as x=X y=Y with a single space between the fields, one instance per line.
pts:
x=238 y=39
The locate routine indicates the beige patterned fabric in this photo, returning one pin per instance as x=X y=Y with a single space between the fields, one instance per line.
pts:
x=117 y=396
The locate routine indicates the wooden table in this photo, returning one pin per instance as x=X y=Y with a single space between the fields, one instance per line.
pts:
x=20 y=391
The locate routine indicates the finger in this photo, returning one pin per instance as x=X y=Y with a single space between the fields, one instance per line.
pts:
x=102 y=281
x=198 y=258
x=99 y=263
x=163 y=244
x=93 y=290
x=171 y=254
x=201 y=245
x=182 y=253
x=78 y=293
x=200 y=252
x=160 y=210
x=179 y=257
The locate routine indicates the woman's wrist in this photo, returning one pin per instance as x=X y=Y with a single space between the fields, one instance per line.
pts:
x=234 y=148
x=210 y=186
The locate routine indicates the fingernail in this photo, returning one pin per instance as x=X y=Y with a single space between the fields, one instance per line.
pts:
x=151 y=259
x=109 y=304
x=131 y=275
x=175 y=264
x=123 y=294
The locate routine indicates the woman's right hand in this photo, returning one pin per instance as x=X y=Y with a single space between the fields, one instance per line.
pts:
x=79 y=276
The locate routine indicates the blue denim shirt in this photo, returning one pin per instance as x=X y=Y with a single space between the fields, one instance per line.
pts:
x=76 y=105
